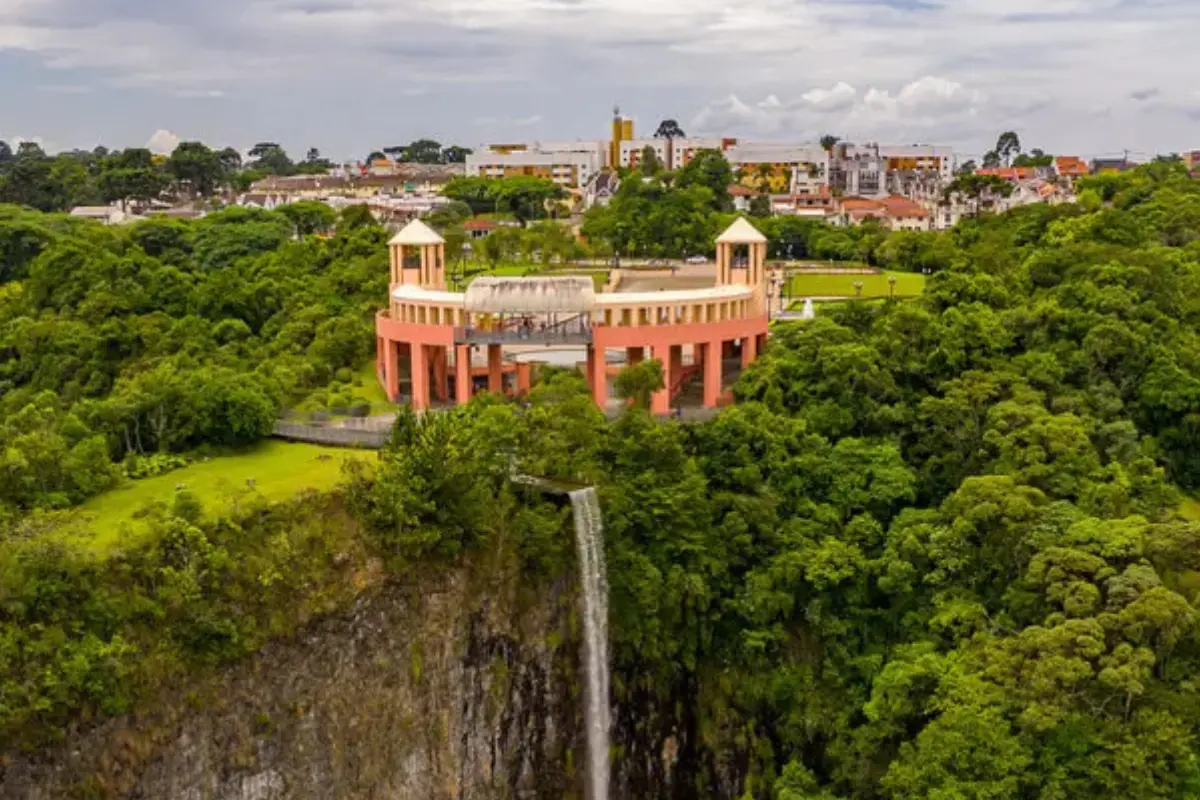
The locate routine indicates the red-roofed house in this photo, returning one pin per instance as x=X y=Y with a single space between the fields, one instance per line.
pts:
x=811 y=205
x=1071 y=167
x=478 y=228
x=905 y=214
x=1011 y=174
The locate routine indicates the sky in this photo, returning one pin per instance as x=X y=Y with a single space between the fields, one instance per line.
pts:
x=1086 y=77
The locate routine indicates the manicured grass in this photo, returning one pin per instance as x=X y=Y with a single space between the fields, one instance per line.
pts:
x=280 y=471
x=371 y=390
x=908 y=284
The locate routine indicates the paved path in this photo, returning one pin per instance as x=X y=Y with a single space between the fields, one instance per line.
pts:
x=372 y=433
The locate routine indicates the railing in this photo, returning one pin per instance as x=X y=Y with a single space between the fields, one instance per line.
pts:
x=579 y=334
x=337 y=437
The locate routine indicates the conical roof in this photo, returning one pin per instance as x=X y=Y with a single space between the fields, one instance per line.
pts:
x=417 y=233
x=741 y=232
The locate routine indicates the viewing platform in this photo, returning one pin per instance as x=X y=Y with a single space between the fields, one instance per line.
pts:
x=691 y=321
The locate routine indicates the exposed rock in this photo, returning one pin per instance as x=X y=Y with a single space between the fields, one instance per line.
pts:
x=449 y=692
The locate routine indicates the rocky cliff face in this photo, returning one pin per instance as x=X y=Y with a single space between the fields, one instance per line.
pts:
x=454 y=690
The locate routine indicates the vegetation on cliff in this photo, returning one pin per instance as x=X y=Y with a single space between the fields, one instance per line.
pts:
x=934 y=552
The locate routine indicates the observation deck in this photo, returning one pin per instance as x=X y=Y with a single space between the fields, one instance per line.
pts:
x=697 y=309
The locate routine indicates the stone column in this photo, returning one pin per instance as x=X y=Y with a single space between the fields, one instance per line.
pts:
x=660 y=403
x=420 y=377
x=598 y=367
x=712 y=374
x=749 y=350
x=462 y=374
x=524 y=378
x=391 y=370
x=440 y=373
x=495 y=368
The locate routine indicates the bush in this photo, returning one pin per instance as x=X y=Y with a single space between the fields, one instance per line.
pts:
x=343 y=375
x=360 y=409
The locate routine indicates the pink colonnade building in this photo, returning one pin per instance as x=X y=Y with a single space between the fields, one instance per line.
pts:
x=437 y=346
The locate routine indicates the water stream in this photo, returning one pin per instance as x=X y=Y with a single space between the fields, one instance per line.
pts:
x=589 y=538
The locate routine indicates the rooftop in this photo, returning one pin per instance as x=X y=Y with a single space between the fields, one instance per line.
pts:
x=741 y=232
x=416 y=234
x=538 y=295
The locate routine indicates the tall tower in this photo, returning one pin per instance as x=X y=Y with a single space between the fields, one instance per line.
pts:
x=418 y=257
x=742 y=258
x=622 y=131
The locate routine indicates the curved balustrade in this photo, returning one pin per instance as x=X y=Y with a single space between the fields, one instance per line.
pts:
x=428 y=338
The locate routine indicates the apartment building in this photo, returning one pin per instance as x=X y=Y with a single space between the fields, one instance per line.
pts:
x=857 y=170
x=672 y=153
x=785 y=168
x=922 y=158
x=569 y=164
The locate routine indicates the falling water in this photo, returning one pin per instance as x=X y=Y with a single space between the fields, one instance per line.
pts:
x=589 y=537
x=809 y=312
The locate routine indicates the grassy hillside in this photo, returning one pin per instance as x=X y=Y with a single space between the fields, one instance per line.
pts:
x=280 y=470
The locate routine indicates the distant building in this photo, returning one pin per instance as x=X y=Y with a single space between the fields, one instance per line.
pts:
x=893 y=211
x=924 y=158
x=107 y=215
x=672 y=153
x=1071 y=167
x=818 y=205
x=786 y=168
x=568 y=164
x=1111 y=165
x=857 y=170
x=1010 y=174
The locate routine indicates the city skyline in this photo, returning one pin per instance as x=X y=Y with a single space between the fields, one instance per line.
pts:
x=1088 y=78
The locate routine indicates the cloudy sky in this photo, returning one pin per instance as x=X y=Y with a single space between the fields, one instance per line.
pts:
x=1081 y=76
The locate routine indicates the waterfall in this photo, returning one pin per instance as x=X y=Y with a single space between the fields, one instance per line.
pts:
x=589 y=538
x=808 y=312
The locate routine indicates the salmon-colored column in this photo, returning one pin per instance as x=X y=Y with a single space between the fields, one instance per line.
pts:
x=441 y=369
x=598 y=367
x=420 y=377
x=749 y=350
x=379 y=342
x=712 y=374
x=660 y=403
x=462 y=374
x=391 y=370
x=524 y=377
x=634 y=356
x=495 y=369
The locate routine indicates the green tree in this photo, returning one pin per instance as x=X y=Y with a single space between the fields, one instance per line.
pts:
x=196 y=167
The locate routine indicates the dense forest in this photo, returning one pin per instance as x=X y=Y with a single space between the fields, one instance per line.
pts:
x=935 y=551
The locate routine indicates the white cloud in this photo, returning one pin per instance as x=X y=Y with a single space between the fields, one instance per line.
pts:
x=929 y=102
x=817 y=63
x=163 y=142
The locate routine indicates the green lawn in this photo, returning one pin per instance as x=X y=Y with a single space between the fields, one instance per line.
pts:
x=908 y=284
x=372 y=390
x=280 y=470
